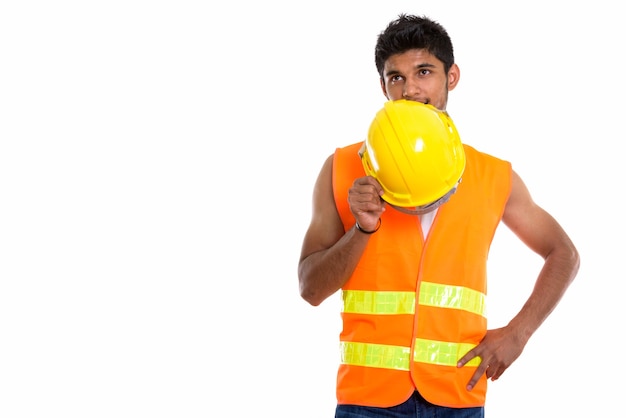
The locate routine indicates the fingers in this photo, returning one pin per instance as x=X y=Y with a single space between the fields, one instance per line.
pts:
x=492 y=371
x=367 y=187
x=364 y=198
x=483 y=368
x=497 y=351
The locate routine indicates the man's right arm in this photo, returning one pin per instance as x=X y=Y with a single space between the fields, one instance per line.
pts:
x=329 y=254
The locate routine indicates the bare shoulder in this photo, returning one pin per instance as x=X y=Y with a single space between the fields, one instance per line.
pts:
x=324 y=179
x=326 y=227
x=520 y=201
x=529 y=221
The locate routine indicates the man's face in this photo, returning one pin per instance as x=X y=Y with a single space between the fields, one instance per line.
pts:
x=417 y=75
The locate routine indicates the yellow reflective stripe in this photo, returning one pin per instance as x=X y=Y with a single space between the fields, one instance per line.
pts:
x=397 y=357
x=442 y=353
x=375 y=355
x=378 y=303
x=456 y=297
x=397 y=303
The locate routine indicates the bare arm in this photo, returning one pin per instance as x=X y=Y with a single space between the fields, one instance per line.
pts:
x=543 y=235
x=329 y=254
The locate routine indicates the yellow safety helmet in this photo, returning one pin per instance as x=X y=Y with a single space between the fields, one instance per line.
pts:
x=415 y=152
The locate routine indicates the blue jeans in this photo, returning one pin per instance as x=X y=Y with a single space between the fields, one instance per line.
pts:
x=414 y=407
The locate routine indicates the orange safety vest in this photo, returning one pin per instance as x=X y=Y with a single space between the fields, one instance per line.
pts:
x=413 y=308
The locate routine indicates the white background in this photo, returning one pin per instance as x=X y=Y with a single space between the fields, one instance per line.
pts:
x=157 y=160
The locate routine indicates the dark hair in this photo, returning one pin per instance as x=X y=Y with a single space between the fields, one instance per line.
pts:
x=413 y=32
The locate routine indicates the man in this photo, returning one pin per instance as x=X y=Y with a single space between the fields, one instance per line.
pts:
x=426 y=350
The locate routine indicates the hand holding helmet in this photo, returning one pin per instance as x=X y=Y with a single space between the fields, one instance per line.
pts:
x=366 y=204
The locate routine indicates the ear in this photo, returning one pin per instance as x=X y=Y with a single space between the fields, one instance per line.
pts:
x=454 y=74
x=382 y=86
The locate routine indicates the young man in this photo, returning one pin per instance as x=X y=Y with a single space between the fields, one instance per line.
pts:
x=414 y=338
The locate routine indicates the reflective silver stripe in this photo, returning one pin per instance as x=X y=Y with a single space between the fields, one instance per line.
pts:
x=397 y=303
x=378 y=303
x=376 y=355
x=442 y=353
x=395 y=357
x=455 y=297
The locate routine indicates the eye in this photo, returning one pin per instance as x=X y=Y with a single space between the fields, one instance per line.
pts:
x=424 y=71
x=396 y=78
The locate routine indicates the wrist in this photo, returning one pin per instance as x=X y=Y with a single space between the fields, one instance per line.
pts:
x=365 y=231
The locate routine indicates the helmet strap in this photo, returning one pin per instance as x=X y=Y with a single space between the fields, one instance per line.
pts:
x=421 y=210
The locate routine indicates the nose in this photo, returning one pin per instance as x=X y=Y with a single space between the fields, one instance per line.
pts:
x=411 y=90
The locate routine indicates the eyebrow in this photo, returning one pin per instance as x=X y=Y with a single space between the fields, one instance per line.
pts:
x=417 y=67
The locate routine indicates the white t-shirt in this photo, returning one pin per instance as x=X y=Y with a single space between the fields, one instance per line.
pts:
x=427 y=221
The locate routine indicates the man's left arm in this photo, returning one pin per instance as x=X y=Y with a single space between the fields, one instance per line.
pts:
x=541 y=232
